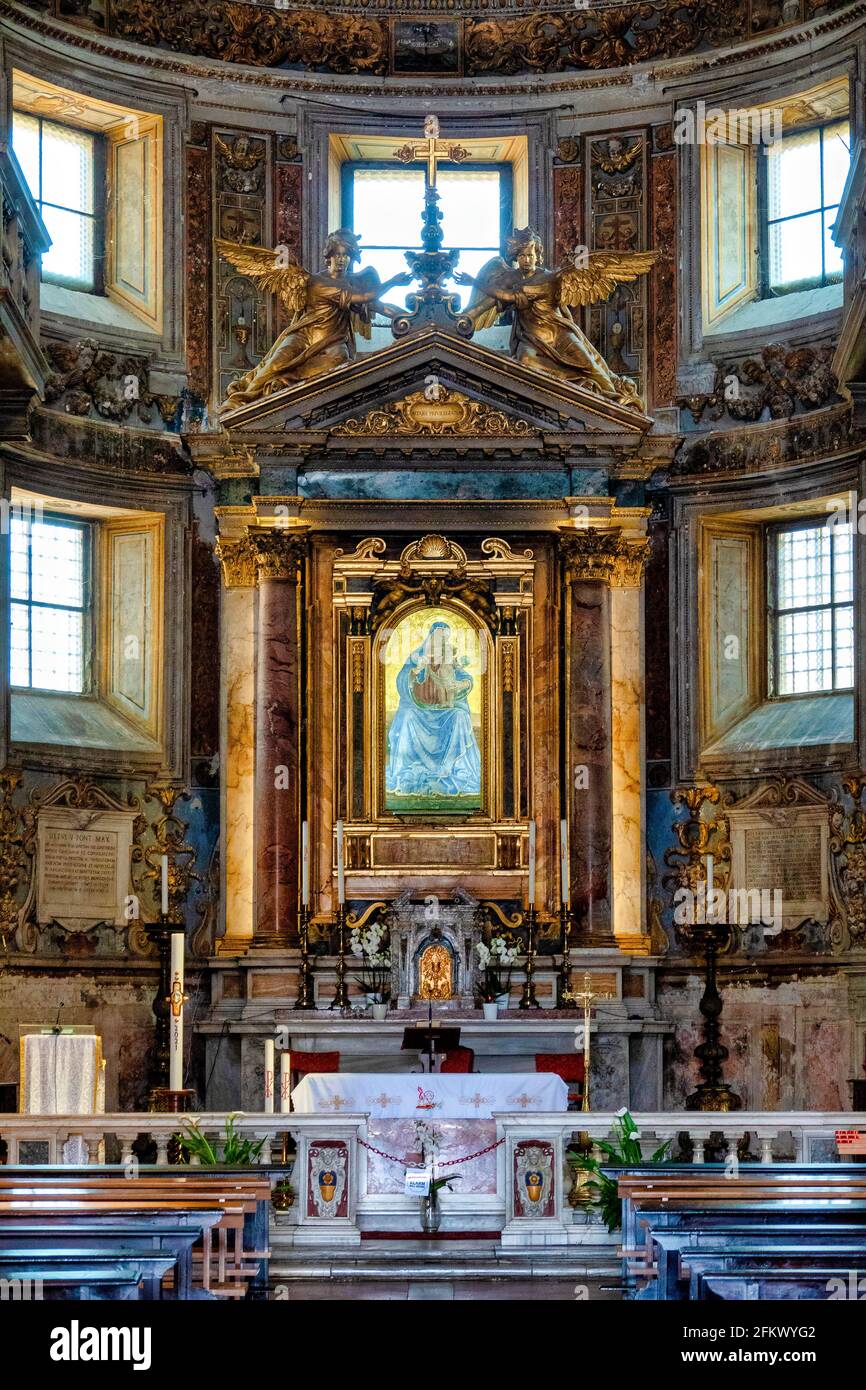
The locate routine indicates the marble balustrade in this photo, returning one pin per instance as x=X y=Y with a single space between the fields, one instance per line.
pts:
x=367 y=1191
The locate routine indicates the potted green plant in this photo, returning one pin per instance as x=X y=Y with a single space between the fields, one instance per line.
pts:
x=625 y=1151
x=237 y=1152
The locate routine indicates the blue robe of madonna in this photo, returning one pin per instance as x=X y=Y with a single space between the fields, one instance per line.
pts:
x=432 y=749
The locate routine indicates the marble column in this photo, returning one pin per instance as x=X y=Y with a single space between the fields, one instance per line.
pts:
x=237 y=741
x=628 y=827
x=280 y=559
x=604 y=731
x=587 y=735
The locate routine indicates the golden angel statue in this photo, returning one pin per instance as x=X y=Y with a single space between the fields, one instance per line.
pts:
x=325 y=311
x=545 y=334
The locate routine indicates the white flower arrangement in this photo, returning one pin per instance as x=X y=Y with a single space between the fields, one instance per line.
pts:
x=371 y=945
x=495 y=964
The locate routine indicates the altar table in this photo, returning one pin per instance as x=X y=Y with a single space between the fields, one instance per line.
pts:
x=388 y=1096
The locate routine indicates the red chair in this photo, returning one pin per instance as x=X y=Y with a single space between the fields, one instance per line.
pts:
x=571 y=1067
x=459 y=1059
x=304 y=1062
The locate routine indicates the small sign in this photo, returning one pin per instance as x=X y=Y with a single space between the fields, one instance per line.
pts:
x=417 y=1182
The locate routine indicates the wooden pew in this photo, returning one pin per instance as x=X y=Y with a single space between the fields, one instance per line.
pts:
x=85 y=1280
x=241 y=1204
x=683 y=1223
x=152 y=1266
x=83 y=1234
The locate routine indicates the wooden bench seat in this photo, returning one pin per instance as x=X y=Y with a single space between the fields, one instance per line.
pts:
x=682 y=1225
x=233 y=1230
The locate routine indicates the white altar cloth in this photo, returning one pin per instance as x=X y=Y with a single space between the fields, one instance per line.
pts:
x=455 y=1096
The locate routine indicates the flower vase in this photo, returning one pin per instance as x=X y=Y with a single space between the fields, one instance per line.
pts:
x=380 y=1012
x=490 y=1009
x=431 y=1214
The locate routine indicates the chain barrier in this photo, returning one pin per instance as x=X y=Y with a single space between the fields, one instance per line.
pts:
x=449 y=1162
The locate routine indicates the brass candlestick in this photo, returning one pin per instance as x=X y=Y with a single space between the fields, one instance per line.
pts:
x=341 y=994
x=527 y=998
x=563 y=984
x=306 y=994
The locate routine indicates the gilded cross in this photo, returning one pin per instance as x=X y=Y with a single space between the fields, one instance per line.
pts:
x=177 y=998
x=431 y=150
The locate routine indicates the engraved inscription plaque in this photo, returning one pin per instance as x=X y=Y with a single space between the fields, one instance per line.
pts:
x=83 y=866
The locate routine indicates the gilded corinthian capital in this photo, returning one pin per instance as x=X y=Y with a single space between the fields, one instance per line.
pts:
x=278 y=554
x=604 y=556
x=238 y=562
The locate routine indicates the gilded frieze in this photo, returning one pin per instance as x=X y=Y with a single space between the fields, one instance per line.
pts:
x=449 y=413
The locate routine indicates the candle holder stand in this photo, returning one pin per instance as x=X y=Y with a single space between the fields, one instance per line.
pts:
x=528 y=998
x=563 y=981
x=306 y=993
x=341 y=994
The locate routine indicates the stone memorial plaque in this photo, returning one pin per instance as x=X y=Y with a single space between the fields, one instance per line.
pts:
x=83 y=866
x=784 y=850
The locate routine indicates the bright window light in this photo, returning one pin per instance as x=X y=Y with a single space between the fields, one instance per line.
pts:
x=387 y=205
x=58 y=164
x=806 y=173
x=812 y=609
x=49 y=603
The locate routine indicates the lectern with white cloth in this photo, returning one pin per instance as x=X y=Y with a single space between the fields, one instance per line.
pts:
x=62 y=1073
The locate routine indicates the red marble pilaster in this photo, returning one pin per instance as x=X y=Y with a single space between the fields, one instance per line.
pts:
x=587 y=771
x=280 y=562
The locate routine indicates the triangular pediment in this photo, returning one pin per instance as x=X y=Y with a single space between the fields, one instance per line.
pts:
x=481 y=393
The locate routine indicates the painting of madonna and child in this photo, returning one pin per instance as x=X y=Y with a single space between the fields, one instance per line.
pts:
x=433 y=666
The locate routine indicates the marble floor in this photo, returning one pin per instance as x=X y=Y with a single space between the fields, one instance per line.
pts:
x=538 y=1290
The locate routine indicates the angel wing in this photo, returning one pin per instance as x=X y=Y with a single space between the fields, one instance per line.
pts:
x=482 y=308
x=593 y=283
x=362 y=314
x=266 y=269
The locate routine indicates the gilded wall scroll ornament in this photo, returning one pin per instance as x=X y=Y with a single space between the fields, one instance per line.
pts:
x=545 y=335
x=451 y=413
x=324 y=312
x=17 y=847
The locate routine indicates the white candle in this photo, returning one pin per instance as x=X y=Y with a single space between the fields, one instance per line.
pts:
x=175 y=1060
x=164 y=907
x=269 y=1076
x=305 y=863
x=341 y=872
x=285 y=1082
x=563 y=854
x=532 y=863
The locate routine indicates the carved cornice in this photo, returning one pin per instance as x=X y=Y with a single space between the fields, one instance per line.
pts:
x=238 y=560
x=327 y=35
x=448 y=413
x=278 y=554
x=766 y=37
x=605 y=557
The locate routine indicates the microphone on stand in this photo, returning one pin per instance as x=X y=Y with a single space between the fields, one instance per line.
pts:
x=57 y=1029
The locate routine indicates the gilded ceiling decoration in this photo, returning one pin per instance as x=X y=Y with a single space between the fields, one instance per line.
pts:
x=384 y=37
